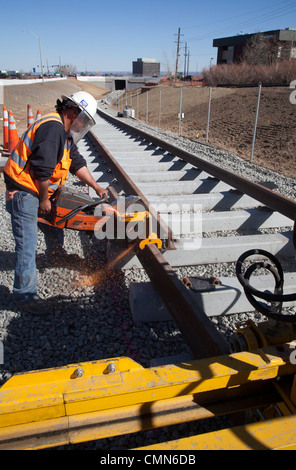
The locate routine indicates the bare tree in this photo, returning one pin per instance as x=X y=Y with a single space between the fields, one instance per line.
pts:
x=167 y=65
x=66 y=69
x=262 y=50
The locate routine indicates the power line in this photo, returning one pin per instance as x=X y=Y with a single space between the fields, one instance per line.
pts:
x=272 y=15
x=252 y=12
x=282 y=9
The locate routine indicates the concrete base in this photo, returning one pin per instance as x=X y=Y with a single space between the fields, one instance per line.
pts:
x=184 y=187
x=192 y=252
x=212 y=201
x=229 y=298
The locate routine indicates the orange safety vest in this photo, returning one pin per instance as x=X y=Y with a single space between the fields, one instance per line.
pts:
x=17 y=167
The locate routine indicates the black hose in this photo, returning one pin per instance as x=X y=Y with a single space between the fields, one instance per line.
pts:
x=277 y=298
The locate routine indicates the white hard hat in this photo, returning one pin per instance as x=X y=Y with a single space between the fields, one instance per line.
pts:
x=85 y=120
x=85 y=101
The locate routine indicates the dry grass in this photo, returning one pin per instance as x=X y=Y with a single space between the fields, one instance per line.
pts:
x=246 y=74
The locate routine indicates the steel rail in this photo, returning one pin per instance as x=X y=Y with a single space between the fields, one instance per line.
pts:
x=129 y=186
x=257 y=191
x=199 y=333
x=197 y=329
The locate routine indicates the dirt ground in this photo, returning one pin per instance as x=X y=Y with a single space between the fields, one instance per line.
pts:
x=232 y=119
x=42 y=96
x=231 y=124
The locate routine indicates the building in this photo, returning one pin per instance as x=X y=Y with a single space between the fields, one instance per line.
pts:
x=146 y=68
x=231 y=49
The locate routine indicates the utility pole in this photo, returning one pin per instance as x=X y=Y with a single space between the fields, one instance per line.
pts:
x=38 y=37
x=188 y=62
x=178 y=51
x=185 y=59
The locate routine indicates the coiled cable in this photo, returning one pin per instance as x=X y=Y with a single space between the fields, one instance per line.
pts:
x=276 y=299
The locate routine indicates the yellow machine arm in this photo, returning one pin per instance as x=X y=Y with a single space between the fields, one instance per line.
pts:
x=142 y=218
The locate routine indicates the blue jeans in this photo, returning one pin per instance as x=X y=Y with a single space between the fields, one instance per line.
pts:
x=23 y=209
x=53 y=237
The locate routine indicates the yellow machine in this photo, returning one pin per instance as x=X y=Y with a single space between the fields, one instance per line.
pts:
x=255 y=385
x=83 y=402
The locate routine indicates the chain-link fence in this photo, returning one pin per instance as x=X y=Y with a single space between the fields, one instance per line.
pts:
x=16 y=98
x=40 y=96
x=256 y=123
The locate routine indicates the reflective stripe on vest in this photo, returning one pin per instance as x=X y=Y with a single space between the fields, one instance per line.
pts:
x=18 y=165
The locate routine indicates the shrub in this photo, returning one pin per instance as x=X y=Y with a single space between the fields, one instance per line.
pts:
x=282 y=72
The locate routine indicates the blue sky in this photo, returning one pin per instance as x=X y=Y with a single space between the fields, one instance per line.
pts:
x=102 y=36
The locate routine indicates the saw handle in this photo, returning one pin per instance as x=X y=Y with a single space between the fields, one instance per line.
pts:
x=81 y=208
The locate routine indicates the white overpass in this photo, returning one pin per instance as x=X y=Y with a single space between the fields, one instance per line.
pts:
x=114 y=83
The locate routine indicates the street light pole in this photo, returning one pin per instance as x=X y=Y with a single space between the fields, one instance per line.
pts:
x=35 y=35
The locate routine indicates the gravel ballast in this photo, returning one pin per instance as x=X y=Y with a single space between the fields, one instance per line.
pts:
x=91 y=318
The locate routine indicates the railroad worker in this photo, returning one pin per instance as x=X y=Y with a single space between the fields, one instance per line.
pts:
x=37 y=166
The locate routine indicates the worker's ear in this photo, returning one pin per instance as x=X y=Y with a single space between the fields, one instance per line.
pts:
x=68 y=112
x=68 y=117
